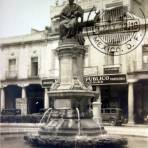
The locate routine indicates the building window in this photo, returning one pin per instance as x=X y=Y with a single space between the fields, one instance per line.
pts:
x=109 y=58
x=34 y=66
x=112 y=64
x=11 y=73
x=12 y=65
x=145 y=57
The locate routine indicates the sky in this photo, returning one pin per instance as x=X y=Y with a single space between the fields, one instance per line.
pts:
x=17 y=17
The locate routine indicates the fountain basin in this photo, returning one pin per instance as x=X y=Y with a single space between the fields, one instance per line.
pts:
x=102 y=141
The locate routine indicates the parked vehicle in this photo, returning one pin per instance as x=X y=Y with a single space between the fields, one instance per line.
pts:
x=113 y=116
x=11 y=111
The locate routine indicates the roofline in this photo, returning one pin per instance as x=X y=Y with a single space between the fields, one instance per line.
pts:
x=29 y=38
x=35 y=37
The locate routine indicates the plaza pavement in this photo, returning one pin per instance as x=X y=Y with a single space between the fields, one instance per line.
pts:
x=125 y=130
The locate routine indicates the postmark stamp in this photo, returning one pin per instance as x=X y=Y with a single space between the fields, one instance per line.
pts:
x=116 y=32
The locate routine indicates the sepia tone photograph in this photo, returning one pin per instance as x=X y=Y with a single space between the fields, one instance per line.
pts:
x=74 y=73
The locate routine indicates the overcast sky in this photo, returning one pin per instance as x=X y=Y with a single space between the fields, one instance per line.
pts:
x=17 y=17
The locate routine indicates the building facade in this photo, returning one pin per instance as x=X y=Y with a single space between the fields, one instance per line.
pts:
x=30 y=62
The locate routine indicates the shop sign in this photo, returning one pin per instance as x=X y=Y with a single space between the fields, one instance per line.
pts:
x=105 y=79
x=21 y=103
x=46 y=83
x=111 y=70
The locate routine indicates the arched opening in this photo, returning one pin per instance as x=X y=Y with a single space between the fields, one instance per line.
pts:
x=141 y=101
x=35 y=95
x=11 y=93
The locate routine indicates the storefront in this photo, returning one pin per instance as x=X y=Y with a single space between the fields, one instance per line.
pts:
x=120 y=91
x=113 y=90
x=139 y=103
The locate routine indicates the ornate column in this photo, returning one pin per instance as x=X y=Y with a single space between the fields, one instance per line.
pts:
x=46 y=99
x=97 y=106
x=2 y=101
x=131 y=101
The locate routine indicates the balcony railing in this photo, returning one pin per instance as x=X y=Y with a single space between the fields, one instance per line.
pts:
x=112 y=69
x=11 y=74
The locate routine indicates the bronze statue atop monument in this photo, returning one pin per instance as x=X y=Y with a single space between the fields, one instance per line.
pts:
x=70 y=27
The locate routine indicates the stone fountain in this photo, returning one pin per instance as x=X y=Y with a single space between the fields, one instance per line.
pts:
x=70 y=121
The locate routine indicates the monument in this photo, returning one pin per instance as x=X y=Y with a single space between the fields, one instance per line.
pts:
x=69 y=123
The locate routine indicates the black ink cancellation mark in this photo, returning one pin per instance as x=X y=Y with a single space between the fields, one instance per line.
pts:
x=116 y=33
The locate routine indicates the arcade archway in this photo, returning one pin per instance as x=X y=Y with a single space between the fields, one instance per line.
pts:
x=35 y=98
x=11 y=93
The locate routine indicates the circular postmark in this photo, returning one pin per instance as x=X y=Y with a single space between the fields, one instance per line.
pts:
x=115 y=32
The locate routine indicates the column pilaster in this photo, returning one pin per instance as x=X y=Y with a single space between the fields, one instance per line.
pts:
x=97 y=106
x=2 y=101
x=131 y=102
x=46 y=99
x=24 y=100
x=24 y=92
